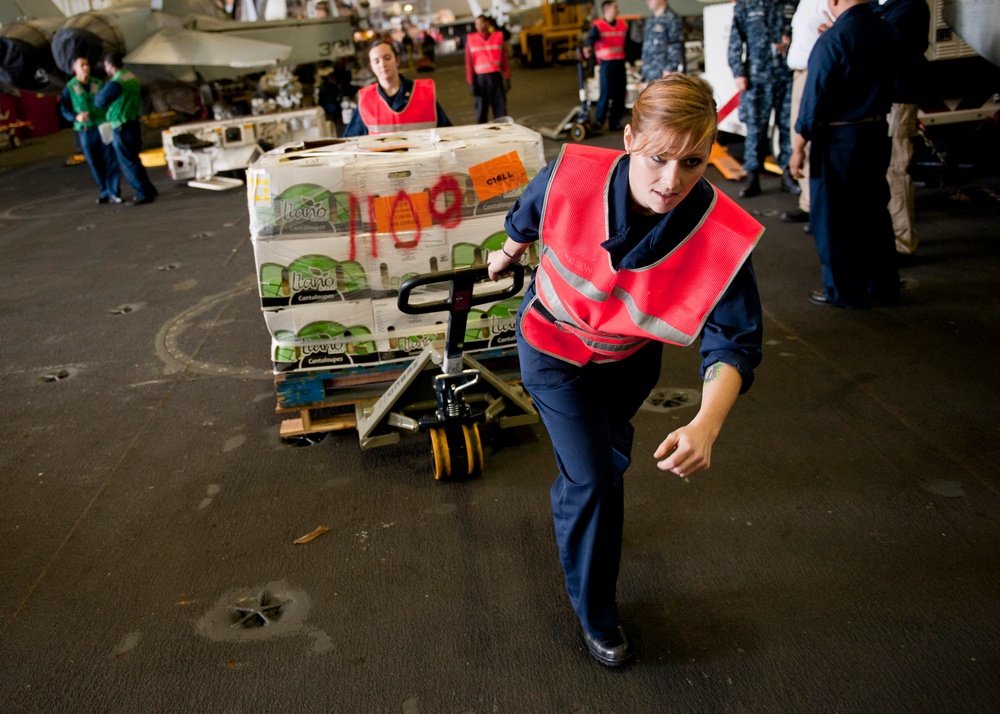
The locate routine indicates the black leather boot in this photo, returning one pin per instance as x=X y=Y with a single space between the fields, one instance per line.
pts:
x=790 y=185
x=752 y=186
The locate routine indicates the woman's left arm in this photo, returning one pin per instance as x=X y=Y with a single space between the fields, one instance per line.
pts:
x=731 y=350
x=688 y=450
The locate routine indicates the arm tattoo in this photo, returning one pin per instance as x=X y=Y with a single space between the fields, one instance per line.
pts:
x=713 y=372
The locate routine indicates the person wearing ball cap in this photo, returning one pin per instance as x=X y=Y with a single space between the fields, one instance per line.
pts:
x=637 y=250
x=394 y=103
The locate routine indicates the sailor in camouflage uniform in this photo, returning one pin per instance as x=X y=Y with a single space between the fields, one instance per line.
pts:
x=662 y=42
x=758 y=44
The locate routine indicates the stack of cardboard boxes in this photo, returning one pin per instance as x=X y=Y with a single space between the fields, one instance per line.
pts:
x=338 y=225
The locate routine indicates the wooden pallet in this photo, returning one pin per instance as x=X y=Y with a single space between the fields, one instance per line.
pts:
x=326 y=400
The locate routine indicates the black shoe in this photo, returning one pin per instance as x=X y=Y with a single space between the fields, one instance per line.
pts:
x=790 y=185
x=136 y=201
x=610 y=652
x=796 y=216
x=819 y=297
x=752 y=187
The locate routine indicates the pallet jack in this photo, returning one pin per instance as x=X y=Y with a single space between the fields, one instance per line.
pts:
x=576 y=123
x=450 y=419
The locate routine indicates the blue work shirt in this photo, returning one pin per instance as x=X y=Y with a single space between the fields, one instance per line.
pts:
x=397 y=103
x=734 y=329
x=108 y=94
x=910 y=21
x=851 y=72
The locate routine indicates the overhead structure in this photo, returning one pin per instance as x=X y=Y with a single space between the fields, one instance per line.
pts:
x=161 y=41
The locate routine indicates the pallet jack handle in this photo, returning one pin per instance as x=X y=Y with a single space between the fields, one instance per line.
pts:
x=460 y=300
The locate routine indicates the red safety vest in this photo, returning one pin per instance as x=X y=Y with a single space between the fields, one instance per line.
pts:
x=486 y=54
x=585 y=310
x=611 y=45
x=420 y=112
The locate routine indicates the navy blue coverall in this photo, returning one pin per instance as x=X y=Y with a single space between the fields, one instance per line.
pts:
x=587 y=410
x=846 y=98
x=128 y=144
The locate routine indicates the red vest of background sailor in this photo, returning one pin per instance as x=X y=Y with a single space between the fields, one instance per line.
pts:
x=486 y=53
x=611 y=45
x=585 y=310
x=420 y=112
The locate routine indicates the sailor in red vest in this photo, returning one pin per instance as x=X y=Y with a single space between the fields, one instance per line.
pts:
x=394 y=103
x=606 y=39
x=487 y=69
x=638 y=249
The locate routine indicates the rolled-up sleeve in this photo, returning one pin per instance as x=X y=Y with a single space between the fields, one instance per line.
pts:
x=734 y=331
x=525 y=216
x=108 y=94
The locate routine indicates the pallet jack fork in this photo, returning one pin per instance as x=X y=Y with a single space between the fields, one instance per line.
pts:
x=450 y=420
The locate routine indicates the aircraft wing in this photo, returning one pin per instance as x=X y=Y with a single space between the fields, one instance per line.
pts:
x=190 y=48
x=975 y=21
x=11 y=10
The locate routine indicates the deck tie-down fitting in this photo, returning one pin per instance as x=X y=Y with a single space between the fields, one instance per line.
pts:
x=260 y=613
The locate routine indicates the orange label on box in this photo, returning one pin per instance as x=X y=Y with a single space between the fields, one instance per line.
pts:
x=402 y=212
x=499 y=175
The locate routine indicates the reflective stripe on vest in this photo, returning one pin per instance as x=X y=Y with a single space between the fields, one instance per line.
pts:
x=611 y=45
x=486 y=53
x=593 y=313
x=420 y=111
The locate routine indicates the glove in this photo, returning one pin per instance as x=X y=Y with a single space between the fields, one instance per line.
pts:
x=506 y=85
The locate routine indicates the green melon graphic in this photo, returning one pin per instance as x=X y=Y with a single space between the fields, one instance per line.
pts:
x=465 y=255
x=304 y=203
x=505 y=308
x=473 y=334
x=285 y=353
x=329 y=330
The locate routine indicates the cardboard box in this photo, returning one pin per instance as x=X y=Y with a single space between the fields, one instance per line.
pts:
x=324 y=336
x=309 y=270
x=298 y=191
x=395 y=181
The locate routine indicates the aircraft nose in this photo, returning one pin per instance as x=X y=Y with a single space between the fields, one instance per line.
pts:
x=15 y=62
x=25 y=61
x=72 y=42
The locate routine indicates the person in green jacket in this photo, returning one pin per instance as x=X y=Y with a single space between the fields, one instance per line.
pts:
x=77 y=106
x=120 y=98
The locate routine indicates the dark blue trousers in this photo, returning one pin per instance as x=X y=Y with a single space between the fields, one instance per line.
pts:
x=848 y=209
x=586 y=411
x=128 y=144
x=611 y=103
x=101 y=160
x=490 y=94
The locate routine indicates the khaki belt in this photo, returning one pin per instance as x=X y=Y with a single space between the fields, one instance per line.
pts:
x=866 y=120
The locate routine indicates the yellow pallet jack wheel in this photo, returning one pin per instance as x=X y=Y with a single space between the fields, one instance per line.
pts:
x=473 y=449
x=442 y=458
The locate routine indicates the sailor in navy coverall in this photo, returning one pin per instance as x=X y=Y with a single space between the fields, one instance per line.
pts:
x=587 y=409
x=845 y=101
